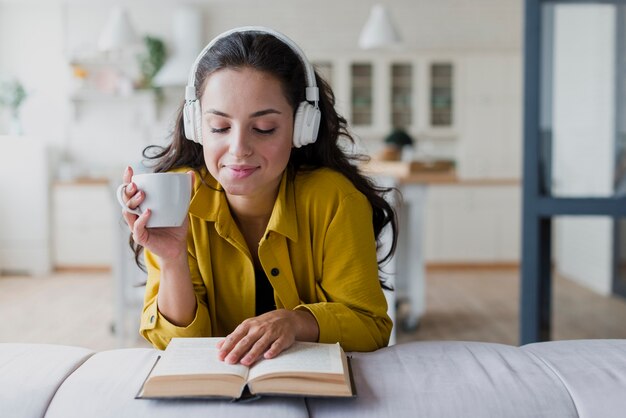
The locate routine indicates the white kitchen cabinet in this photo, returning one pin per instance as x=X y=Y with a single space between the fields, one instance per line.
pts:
x=83 y=224
x=473 y=222
x=460 y=105
x=378 y=93
x=24 y=196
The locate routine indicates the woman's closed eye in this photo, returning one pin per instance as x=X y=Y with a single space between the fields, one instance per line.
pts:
x=265 y=131
x=257 y=130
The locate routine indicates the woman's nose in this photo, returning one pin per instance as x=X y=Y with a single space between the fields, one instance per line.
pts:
x=239 y=144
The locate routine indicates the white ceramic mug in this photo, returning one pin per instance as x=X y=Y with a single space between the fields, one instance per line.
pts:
x=167 y=195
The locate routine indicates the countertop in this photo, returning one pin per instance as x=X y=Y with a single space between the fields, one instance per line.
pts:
x=435 y=172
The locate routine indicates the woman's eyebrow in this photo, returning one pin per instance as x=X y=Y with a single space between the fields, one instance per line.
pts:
x=264 y=112
x=252 y=115
x=218 y=113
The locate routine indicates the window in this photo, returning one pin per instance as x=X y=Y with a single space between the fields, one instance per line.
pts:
x=361 y=94
x=401 y=95
x=441 y=94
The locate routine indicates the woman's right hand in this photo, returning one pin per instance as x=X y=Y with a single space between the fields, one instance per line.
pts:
x=166 y=243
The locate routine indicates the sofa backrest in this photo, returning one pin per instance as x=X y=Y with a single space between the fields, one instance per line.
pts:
x=585 y=378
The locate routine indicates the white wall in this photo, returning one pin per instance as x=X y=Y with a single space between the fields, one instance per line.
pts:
x=107 y=135
x=583 y=137
x=31 y=48
x=490 y=100
x=584 y=100
x=331 y=26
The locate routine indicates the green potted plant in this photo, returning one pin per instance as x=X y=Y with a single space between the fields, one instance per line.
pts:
x=394 y=143
x=151 y=61
x=12 y=95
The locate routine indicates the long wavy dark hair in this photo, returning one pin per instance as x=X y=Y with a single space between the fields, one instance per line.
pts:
x=264 y=52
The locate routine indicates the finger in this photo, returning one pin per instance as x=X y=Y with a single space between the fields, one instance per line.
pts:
x=231 y=340
x=228 y=344
x=129 y=191
x=140 y=232
x=238 y=342
x=224 y=347
x=192 y=174
x=257 y=351
x=219 y=344
x=130 y=219
x=243 y=346
x=280 y=345
x=128 y=175
x=136 y=199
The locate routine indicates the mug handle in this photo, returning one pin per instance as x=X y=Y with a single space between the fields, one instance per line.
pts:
x=120 y=198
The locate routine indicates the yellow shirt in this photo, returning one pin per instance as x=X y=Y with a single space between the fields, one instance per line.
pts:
x=318 y=252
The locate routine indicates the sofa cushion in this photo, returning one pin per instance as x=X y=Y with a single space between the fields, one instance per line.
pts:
x=593 y=371
x=449 y=379
x=106 y=385
x=30 y=374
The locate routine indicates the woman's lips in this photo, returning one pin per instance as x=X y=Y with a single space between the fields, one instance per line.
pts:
x=241 y=171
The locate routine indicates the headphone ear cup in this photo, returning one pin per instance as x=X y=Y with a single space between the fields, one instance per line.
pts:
x=197 y=124
x=192 y=119
x=188 y=121
x=306 y=124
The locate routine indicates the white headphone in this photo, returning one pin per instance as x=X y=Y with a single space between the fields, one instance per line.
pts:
x=307 y=120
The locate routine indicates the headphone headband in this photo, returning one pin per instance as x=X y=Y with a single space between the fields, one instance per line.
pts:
x=307 y=116
x=312 y=92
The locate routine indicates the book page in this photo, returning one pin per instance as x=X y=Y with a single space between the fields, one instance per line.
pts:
x=302 y=357
x=189 y=356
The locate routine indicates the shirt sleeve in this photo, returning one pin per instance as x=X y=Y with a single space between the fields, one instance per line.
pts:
x=355 y=313
x=155 y=327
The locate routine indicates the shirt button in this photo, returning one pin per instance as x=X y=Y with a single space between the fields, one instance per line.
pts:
x=152 y=319
x=275 y=271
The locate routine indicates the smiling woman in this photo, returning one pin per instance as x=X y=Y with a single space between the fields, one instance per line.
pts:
x=280 y=244
x=248 y=141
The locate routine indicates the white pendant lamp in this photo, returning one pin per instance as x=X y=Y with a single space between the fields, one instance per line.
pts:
x=379 y=31
x=118 y=32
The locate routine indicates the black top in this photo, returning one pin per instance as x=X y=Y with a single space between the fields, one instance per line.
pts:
x=264 y=293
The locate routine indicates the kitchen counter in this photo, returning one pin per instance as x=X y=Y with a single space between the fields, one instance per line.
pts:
x=414 y=180
x=423 y=172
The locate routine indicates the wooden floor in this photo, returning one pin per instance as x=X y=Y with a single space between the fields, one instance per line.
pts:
x=483 y=305
x=471 y=305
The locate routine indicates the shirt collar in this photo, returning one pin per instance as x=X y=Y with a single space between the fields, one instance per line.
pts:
x=209 y=203
x=284 y=219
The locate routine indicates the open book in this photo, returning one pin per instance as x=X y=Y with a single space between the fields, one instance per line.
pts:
x=189 y=367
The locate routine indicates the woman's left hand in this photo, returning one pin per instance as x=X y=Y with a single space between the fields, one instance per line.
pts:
x=267 y=336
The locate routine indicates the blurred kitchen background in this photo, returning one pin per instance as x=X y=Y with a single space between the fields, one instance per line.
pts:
x=86 y=85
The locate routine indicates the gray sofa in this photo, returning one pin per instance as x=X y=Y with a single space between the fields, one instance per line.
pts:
x=585 y=378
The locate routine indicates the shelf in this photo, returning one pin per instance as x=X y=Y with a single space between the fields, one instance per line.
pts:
x=96 y=96
x=137 y=98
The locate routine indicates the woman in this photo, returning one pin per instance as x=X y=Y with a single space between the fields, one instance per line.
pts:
x=280 y=241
